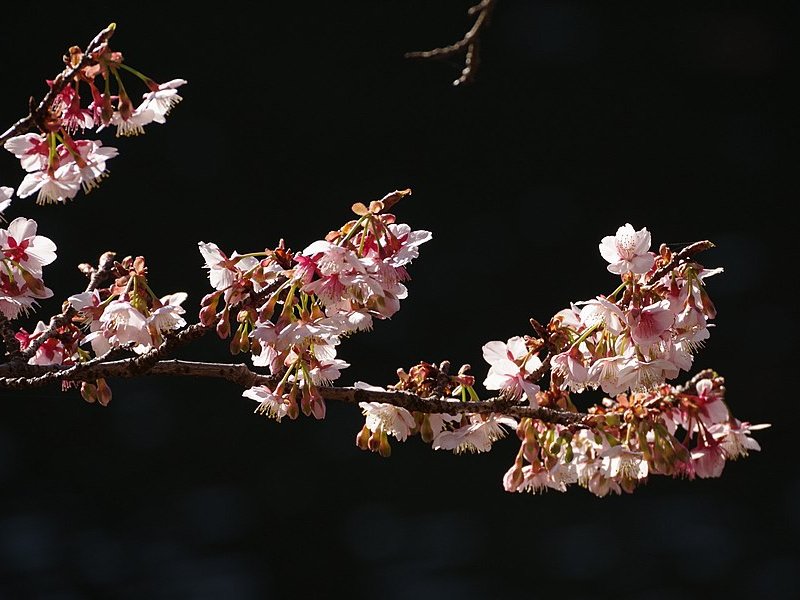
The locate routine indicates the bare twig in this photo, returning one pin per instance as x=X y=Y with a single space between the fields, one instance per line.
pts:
x=38 y=114
x=469 y=45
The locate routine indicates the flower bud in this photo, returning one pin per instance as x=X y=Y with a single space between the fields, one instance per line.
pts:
x=516 y=478
x=374 y=441
x=293 y=410
x=124 y=105
x=426 y=431
x=531 y=451
x=362 y=439
x=236 y=342
x=89 y=392
x=255 y=345
x=384 y=448
x=103 y=392
x=245 y=340
x=305 y=402
x=106 y=109
x=224 y=325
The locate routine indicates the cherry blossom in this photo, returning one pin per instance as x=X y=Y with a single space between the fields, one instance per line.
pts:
x=59 y=186
x=6 y=193
x=734 y=436
x=270 y=404
x=162 y=100
x=511 y=363
x=394 y=420
x=475 y=435
x=627 y=251
x=650 y=323
x=20 y=243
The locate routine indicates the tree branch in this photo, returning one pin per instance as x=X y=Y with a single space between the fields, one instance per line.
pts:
x=38 y=114
x=468 y=45
x=15 y=376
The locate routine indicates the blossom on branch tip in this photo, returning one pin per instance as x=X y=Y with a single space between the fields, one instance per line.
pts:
x=734 y=437
x=628 y=251
x=162 y=100
x=223 y=271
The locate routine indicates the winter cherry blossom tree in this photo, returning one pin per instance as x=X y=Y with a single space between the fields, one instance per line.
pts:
x=289 y=311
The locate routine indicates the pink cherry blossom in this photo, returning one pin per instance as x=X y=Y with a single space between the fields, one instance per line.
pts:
x=161 y=101
x=601 y=310
x=21 y=244
x=134 y=124
x=650 y=323
x=167 y=317
x=570 y=366
x=394 y=420
x=270 y=404
x=5 y=199
x=59 y=186
x=327 y=371
x=622 y=462
x=51 y=352
x=628 y=251
x=32 y=149
x=511 y=363
x=476 y=435
x=734 y=437
x=708 y=459
x=409 y=243
x=223 y=271
x=93 y=157
x=613 y=374
x=120 y=325
x=644 y=375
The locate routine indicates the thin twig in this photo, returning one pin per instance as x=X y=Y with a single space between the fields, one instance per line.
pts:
x=36 y=115
x=469 y=45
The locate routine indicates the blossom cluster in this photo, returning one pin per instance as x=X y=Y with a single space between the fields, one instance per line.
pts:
x=678 y=431
x=292 y=309
x=627 y=344
x=444 y=431
x=126 y=315
x=58 y=164
x=23 y=253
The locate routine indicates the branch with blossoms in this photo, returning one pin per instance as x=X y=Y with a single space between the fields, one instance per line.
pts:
x=289 y=312
x=57 y=161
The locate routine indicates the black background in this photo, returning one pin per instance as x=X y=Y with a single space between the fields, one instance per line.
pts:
x=672 y=116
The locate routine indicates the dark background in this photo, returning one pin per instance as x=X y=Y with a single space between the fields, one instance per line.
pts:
x=672 y=116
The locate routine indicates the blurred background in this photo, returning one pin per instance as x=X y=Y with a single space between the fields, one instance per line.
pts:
x=671 y=116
